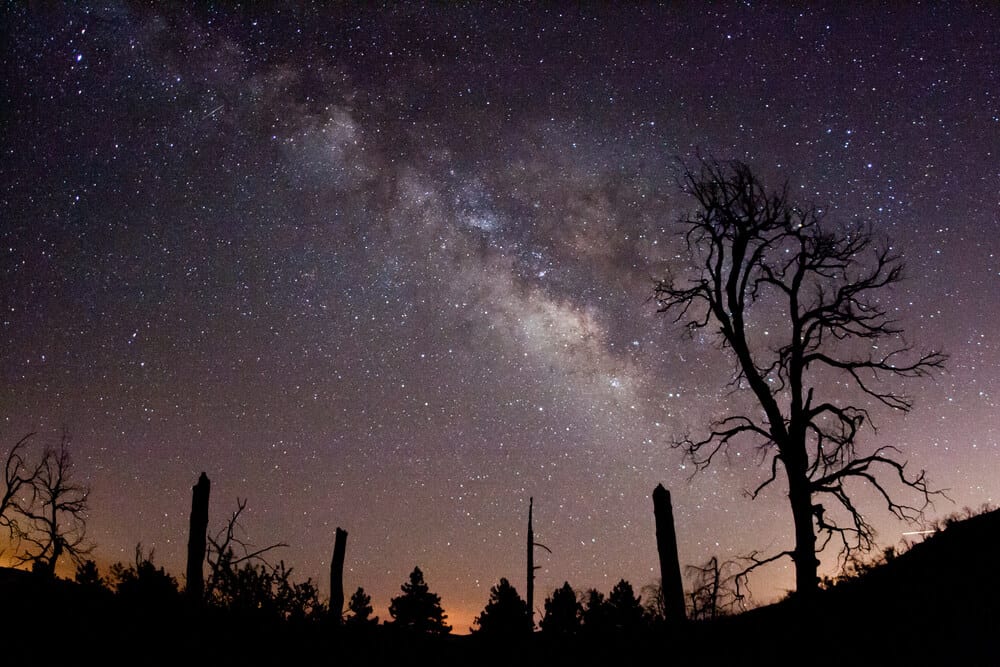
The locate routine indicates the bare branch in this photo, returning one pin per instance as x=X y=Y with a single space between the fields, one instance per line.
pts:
x=19 y=478
x=227 y=551
x=921 y=367
x=741 y=579
x=702 y=452
x=767 y=482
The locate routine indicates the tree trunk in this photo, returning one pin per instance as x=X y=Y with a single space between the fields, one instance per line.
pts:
x=57 y=550
x=671 y=586
x=197 y=536
x=804 y=555
x=337 y=575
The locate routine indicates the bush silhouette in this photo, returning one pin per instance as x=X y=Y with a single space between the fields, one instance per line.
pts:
x=144 y=583
x=262 y=591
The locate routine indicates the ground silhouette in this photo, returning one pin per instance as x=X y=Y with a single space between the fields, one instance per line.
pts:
x=930 y=604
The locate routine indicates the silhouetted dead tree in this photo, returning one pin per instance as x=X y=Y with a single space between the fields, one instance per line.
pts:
x=57 y=515
x=714 y=589
x=530 y=587
x=799 y=304
x=18 y=492
x=337 y=575
x=197 y=537
x=228 y=551
x=671 y=588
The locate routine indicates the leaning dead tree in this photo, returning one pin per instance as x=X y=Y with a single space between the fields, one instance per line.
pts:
x=800 y=305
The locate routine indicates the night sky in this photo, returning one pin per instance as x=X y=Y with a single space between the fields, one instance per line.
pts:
x=390 y=269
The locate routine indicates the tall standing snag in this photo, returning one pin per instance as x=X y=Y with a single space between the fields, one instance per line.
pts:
x=671 y=586
x=337 y=575
x=197 y=538
x=799 y=304
x=530 y=584
x=530 y=587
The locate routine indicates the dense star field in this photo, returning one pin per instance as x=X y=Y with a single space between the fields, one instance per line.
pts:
x=391 y=269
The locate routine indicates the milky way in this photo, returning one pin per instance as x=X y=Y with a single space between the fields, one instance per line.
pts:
x=390 y=269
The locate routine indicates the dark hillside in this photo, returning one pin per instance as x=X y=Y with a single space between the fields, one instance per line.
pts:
x=936 y=599
x=933 y=604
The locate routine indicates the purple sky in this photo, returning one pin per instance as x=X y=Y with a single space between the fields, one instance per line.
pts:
x=390 y=269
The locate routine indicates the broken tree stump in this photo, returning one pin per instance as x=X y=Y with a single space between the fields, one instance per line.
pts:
x=670 y=569
x=337 y=575
x=197 y=537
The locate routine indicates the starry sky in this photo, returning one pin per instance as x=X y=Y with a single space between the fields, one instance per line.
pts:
x=390 y=268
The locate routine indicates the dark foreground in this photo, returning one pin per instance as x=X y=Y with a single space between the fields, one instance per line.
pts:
x=933 y=605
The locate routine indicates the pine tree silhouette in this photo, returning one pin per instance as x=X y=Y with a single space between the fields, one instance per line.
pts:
x=563 y=612
x=625 y=609
x=360 y=608
x=506 y=614
x=417 y=609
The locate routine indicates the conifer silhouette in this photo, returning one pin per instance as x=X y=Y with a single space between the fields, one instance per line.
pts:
x=360 y=608
x=506 y=614
x=563 y=612
x=417 y=609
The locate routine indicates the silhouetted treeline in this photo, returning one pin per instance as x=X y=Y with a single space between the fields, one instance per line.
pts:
x=927 y=605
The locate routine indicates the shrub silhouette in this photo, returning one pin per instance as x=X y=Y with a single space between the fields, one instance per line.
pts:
x=258 y=590
x=144 y=583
